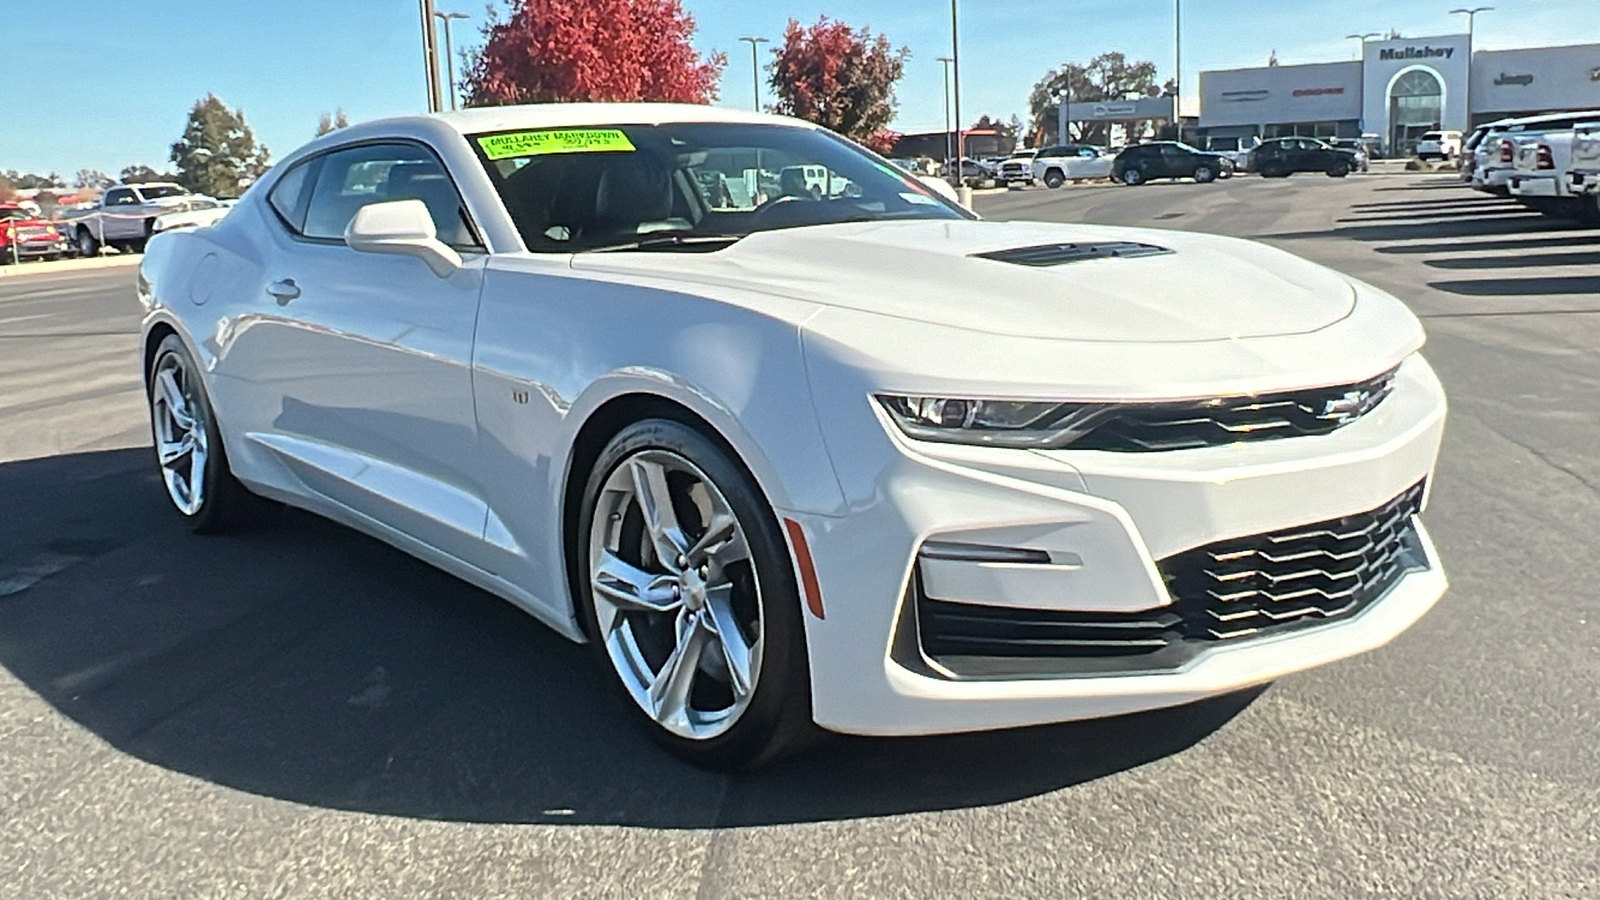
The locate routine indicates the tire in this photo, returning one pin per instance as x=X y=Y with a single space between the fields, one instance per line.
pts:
x=1339 y=169
x=1132 y=177
x=1204 y=175
x=1054 y=179
x=710 y=722
x=181 y=414
x=87 y=245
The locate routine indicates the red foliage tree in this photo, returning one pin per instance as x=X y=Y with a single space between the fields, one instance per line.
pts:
x=591 y=50
x=839 y=78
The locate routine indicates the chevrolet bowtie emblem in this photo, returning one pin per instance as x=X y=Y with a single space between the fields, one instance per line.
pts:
x=1594 y=74
x=1345 y=407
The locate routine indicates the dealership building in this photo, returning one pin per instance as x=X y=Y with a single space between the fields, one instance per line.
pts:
x=1400 y=89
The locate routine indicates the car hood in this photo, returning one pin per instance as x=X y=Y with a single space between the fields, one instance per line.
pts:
x=1205 y=288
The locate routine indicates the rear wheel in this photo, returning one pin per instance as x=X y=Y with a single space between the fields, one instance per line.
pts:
x=688 y=596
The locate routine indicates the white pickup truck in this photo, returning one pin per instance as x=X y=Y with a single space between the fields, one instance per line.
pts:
x=1583 y=171
x=1539 y=176
x=126 y=215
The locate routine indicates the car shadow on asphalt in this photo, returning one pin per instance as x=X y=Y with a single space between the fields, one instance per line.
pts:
x=309 y=663
x=1521 y=287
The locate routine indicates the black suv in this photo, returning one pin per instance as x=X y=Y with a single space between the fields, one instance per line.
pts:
x=1282 y=157
x=1168 y=159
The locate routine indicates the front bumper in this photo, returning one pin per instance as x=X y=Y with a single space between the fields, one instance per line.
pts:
x=1105 y=520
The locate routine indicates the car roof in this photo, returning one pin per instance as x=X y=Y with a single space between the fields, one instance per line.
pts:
x=590 y=115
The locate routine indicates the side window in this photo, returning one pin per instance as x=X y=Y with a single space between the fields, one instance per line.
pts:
x=120 y=197
x=289 y=195
x=376 y=173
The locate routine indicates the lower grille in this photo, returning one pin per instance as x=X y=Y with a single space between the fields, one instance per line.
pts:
x=1224 y=592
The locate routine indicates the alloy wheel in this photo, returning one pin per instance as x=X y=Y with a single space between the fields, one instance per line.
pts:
x=676 y=599
x=182 y=442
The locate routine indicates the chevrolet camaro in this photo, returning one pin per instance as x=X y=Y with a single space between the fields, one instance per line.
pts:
x=791 y=439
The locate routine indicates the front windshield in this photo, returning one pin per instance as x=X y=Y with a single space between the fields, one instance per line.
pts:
x=15 y=213
x=156 y=191
x=579 y=189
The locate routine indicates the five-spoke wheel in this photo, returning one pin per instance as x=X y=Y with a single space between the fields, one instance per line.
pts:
x=691 y=597
x=193 y=464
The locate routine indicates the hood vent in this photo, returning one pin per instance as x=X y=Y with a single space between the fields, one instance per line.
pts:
x=1061 y=254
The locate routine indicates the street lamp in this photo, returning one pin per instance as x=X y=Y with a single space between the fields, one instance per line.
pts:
x=755 y=67
x=955 y=69
x=1361 y=39
x=430 y=54
x=946 y=61
x=1472 y=18
x=1177 y=78
x=449 y=57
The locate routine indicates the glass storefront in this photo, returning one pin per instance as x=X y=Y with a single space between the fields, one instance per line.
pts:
x=1416 y=106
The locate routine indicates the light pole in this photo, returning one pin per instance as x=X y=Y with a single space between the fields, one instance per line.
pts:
x=945 y=61
x=755 y=67
x=1361 y=57
x=1472 y=19
x=449 y=59
x=1177 y=78
x=430 y=54
x=1361 y=40
x=955 y=69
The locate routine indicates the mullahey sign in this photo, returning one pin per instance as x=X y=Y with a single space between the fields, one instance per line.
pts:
x=1423 y=52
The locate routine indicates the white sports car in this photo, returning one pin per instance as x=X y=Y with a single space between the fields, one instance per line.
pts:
x=792 y=451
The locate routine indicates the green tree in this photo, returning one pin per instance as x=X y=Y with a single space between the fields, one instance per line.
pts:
x=141 y=174
x=332 y=123
x=217 y=154
x=1109 y=76
x=92 y=178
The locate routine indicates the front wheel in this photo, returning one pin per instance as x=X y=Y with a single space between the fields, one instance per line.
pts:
x=1054 y=179
x=87 y=245
x=189 y=452
x=1339 y=169
x=1132 y=177
x=1204 y=175
x=688 y=595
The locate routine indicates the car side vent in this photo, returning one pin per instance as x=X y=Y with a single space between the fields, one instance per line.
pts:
x=1061 y=254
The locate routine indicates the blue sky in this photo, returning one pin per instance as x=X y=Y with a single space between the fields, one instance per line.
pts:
x=110 y=81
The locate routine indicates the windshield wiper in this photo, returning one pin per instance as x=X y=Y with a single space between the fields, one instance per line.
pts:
x=666 y=241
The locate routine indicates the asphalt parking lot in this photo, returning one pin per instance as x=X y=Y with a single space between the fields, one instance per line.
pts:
x=304 y=712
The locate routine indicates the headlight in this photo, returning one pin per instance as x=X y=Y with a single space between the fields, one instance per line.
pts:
x=993 y=423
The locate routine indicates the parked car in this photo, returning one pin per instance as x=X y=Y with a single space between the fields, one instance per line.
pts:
x=1168 y=159
x=973 y=172
x=773 y=463
x=125 y=216
x=1016 y=169
x=1237 y=149
x=1583 y=172
x=23 y=235
x=198 y=218
x=1539 y=179
x=1495 y=157
x=1055 y=166
x=1282 y=157
x=1445 y=145
x=1354 y=146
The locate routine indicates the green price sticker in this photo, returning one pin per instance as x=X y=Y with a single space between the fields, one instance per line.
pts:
x=565 y=140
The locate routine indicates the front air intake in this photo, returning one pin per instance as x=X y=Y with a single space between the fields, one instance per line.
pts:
x=1061 y=254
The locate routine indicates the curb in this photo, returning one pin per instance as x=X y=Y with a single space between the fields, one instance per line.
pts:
x=69 y=265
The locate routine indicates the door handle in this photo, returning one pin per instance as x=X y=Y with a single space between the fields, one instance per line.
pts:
x=284 y=291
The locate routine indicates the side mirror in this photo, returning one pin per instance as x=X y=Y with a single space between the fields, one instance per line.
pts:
x=402 y=228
